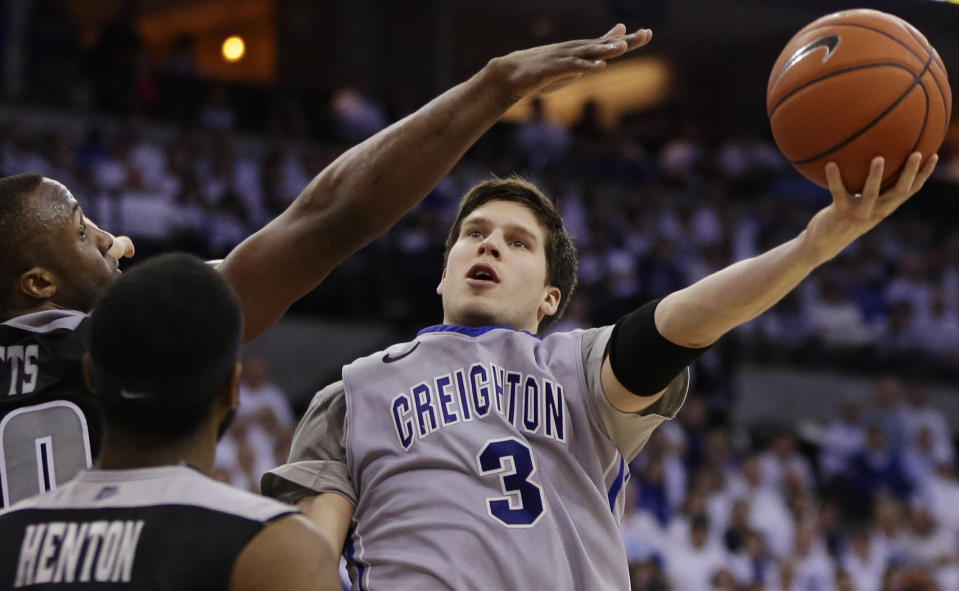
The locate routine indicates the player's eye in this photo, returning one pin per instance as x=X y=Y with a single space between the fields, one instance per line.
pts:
x=519 y=244
x=83 y=231
x=475 y=234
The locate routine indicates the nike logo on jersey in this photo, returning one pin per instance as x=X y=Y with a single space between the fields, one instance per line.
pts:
x=390 y=358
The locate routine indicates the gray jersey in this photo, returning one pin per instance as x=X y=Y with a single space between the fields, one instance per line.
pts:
x=168 y=528
x=482 y=459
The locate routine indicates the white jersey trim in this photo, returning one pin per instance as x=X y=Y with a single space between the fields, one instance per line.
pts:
x=47 y=320
x=164 y=485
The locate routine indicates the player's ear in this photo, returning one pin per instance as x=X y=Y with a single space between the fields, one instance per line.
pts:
x=38 y=283
x=87 y=374
x=233 y=387
x=550 y=302
x=439 y=288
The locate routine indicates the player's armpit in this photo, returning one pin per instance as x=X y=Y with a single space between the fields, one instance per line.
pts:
x=620 y=396
x=287 y=554
x=331 y=513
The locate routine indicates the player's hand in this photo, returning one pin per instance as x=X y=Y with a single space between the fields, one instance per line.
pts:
x=852 y=215
x=549 y=67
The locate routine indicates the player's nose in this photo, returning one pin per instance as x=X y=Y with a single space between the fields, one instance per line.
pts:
x=104 y=240
x=491 y=245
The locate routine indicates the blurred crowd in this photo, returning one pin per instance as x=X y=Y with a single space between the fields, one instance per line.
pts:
x=655 y=202
x=652 y=210
x=865 y=504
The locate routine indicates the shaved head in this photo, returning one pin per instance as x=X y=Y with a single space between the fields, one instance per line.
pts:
x=21 y=225
x=41 y=226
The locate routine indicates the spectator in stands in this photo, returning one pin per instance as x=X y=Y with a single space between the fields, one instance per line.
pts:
x=864 y=560
x=768 y=512
x=813 y=569
x=782 y=463
x=918 y=414
x=692 y=561
x=884 y=412
x=543 y=142
x=876 y=469
x=643 y=533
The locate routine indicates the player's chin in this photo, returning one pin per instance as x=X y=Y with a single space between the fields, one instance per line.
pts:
x=477 y=313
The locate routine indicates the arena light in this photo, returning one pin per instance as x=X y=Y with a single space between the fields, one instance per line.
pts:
x=234 y=48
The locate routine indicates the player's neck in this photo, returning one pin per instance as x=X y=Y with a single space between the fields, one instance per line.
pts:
x=481 y=321
x=126 y=453
x=15 y=311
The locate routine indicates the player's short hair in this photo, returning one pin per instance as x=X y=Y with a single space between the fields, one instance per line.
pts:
x=561 y=260
x=164 y=340
x=19 y=231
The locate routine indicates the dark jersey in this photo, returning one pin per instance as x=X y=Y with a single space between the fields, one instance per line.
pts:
x=49 y=424
x=168 y=528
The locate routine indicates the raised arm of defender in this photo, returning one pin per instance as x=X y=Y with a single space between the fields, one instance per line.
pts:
x=698 y=315
x=367 y=189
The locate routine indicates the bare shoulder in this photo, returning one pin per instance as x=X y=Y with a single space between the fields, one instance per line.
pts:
x=289 y=553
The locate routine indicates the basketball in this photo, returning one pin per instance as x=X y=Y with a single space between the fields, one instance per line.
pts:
x=854 y=85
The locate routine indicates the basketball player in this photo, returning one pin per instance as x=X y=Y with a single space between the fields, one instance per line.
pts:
x=54 y=261
x=480 y=455
x=164 y=342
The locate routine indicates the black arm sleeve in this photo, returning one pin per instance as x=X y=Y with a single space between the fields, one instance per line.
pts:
x=643 y=360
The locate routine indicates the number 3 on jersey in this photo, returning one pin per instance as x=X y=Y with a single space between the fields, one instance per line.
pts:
x=512 y=460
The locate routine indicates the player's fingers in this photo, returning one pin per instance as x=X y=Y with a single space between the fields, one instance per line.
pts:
x=594 y=50
x=639 y=38
x=870 y=191
x=907 y=177
x=904 y=187
x=925 y=172
x=840 y=196
x=618 y=29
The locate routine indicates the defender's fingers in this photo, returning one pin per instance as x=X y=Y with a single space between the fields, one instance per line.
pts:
x=576 y=64
x=639 y=38
x=600 y=50
x=618 y=29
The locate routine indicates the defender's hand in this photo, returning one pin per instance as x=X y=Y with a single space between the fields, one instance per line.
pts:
x=852 y=215
x=549 y=67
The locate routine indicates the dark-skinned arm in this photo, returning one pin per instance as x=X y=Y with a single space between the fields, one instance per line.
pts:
x=367 y=189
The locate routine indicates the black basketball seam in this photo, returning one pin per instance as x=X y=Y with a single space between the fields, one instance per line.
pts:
x=942 y=93
x=875 y=30
x=837 y=73
x=916 y=81
x=912 y=33
x=922 y=132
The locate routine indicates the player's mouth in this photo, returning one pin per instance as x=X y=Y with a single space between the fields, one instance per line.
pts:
x=482 y=275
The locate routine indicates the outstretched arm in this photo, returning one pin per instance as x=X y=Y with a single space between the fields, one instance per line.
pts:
x=698 y=315
x=367 y=189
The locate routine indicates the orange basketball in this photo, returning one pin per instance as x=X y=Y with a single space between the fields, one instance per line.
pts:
x=853 y=85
